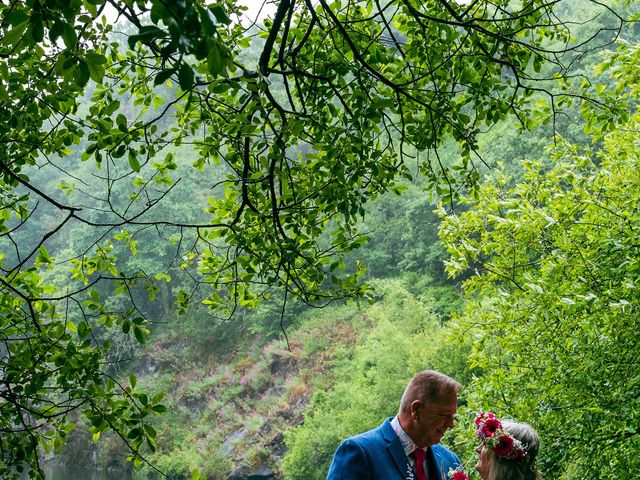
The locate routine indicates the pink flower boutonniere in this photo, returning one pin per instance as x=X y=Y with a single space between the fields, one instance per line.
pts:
x=457 y=474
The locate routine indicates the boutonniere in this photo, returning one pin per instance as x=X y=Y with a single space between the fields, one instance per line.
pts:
x=457 y=474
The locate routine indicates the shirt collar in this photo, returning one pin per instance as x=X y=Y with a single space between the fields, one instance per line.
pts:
x=405 y=440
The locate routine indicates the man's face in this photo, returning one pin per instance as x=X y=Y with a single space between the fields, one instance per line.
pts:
x=434 y=419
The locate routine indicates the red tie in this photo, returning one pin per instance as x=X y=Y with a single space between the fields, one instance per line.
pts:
x=418 y=455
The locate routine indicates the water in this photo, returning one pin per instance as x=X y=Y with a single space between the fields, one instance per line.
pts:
x=64 y=472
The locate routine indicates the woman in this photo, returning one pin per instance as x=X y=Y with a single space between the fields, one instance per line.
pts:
x=508 y=450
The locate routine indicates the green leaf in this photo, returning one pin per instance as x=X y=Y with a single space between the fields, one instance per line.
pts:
x=56 y=31
x=121 y=122
x=207 y=20
x=220 y=14
x=163 y=76
x=119 y=152
x=112 y=107
x=43 y=255
x=91 y=8
x=83 y=330
x=37 y=27
x=83 y=73
x=159 y=408
x=146 y=34
x=13 y=36
x=16 y=17
x=215 y=58
x=139 y=334
x=96 y=62
x=185 y=77
x=133 y=161
x=96 y=58
x=150 y=431
x=69 y=36
x=151 y=444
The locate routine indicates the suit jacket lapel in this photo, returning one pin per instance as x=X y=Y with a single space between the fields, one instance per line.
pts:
x=394 y=447
x=439 y=463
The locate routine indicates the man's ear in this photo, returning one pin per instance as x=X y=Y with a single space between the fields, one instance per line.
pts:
x=416 y=407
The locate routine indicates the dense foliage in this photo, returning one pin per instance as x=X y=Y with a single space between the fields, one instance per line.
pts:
x=555 y=306
x=152 y=163
x=402 y=335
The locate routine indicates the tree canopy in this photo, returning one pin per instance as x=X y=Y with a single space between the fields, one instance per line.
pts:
x=553 y=301
x=292 y=124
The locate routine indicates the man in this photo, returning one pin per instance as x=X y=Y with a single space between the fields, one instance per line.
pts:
x=405 y=447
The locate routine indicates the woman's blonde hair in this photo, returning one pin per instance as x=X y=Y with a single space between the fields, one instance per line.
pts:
x=511 y=470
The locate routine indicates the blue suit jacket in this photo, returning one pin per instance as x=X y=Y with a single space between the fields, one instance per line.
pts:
x=378 y=455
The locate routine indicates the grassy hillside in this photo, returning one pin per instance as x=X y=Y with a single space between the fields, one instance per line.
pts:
x=268 y=407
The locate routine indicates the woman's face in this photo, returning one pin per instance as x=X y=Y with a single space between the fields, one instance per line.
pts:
x=482 y=467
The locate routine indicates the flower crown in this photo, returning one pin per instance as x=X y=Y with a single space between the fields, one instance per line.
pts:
x=490 y=432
